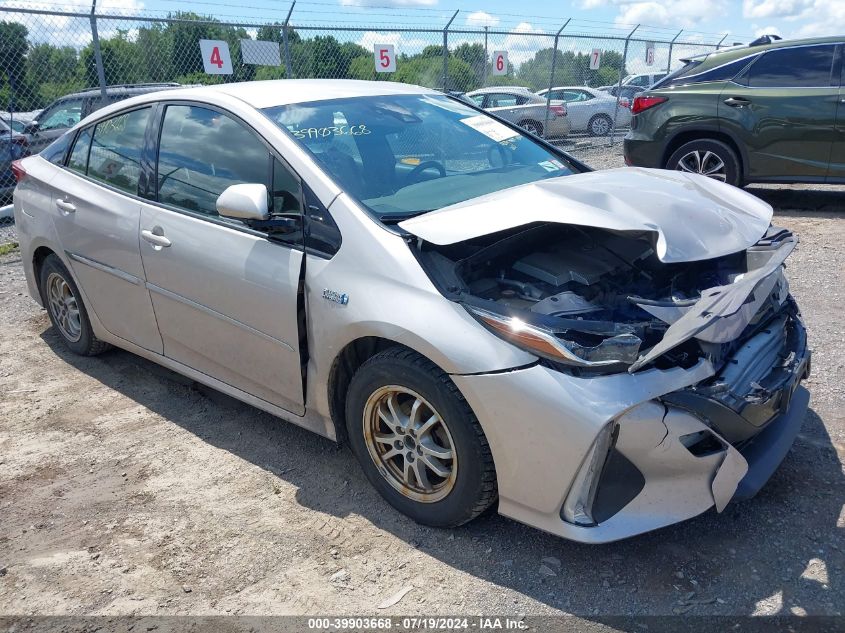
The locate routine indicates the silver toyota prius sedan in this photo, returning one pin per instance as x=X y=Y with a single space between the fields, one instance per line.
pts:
x=482 y=318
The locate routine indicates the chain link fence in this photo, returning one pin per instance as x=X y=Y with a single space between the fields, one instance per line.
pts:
x=58 y=66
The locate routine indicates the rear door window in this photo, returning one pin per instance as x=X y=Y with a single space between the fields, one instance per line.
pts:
x=201 y=153
x=497 y=100
x=115 y=157
x=801 y=67
x=78 y=160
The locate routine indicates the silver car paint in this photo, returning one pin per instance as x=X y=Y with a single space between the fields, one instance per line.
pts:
x=693 y=217
x=540 y=423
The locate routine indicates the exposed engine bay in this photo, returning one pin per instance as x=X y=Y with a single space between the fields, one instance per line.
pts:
x=603 y=298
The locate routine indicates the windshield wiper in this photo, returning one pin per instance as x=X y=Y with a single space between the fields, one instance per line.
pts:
x=396 y=218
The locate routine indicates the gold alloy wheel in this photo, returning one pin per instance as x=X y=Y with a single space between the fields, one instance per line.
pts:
x=410 y=444
x=64 y=307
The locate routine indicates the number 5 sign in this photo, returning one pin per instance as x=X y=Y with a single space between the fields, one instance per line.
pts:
x=595 y=59
x=385 y=58
x=500 y=62
x=215 y=57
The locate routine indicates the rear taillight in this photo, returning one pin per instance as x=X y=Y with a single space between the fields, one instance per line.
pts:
x=644 y=103
x=558 y=110
x=18 y=171
x=624 y=103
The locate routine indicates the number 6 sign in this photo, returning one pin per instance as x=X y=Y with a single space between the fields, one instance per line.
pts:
x=385 y=58
x=215 y=57
x=500 y=62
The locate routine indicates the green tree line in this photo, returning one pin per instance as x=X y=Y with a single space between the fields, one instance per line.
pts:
x=34 y=74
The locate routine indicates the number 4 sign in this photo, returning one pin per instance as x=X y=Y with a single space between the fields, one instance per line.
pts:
x=215 y=57
x=595 y=59
x=385 y=58
x=500 y=62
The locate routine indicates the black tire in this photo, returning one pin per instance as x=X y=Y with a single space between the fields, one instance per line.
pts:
x=732 y=168
x=594 y=127
x=86 y=344
x=474 y=488
x=532 y=126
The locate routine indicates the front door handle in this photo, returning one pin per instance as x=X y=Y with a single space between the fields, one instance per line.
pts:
x=737 y=102
x=156 y=237
x=65 y=207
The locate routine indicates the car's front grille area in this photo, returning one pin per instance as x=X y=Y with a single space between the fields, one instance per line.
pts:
x=756 y=382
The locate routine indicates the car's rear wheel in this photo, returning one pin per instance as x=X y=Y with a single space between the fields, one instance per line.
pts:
x=707 y=157
x=535 y=127
x=67 y=312
x=600 y=125
x=418 y=441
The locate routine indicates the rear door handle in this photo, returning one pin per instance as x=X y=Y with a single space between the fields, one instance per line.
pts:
x=156 y=238
x=65 y=207
x=737 y=102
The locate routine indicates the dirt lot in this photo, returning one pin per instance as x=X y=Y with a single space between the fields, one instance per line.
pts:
x=124 y=489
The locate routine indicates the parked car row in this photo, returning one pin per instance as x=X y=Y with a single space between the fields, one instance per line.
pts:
x=556 y=113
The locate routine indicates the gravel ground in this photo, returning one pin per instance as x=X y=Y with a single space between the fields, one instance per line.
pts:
x=125 y=489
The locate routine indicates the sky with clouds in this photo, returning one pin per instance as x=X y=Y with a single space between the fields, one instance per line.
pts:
x=790 y=18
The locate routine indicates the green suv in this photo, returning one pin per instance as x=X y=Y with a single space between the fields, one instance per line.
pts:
x=772 y=111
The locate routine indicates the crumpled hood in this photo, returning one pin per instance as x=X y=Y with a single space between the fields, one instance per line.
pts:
x=693 y=217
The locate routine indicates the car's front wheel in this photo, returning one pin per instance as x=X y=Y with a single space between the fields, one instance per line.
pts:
x=418 y=441
x=67 y=312
x=707 y=157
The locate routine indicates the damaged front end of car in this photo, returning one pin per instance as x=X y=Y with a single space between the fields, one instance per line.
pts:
x=595 y=304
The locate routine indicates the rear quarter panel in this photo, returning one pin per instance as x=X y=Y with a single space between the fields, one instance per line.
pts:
x=688 y=108
x=33 y=207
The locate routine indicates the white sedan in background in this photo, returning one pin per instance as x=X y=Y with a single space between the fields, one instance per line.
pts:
x=591 y=110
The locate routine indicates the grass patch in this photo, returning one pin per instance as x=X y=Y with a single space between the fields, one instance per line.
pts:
x=7 y=248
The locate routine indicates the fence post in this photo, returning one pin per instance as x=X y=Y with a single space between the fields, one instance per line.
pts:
x=446 y=51
x=552 y=79
x=98 y=55
x=619 y=85
x=671 y=44
x=288 y=65
x=484 y=79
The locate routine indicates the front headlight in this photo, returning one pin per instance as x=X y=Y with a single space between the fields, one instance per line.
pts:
x=561 y=346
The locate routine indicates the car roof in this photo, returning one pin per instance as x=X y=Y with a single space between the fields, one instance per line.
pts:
x=277 y=92
x=266 y=94
x=127 y=89
x=719 y=57
x=513 y=89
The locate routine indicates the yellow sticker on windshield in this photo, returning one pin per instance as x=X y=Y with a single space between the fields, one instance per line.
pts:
x=410 y=160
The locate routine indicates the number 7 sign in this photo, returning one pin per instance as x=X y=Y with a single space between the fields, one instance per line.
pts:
x=215 y=57
x=595 y=59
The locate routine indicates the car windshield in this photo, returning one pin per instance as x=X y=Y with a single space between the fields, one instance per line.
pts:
x=405 y=155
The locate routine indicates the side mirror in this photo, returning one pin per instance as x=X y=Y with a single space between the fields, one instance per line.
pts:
x=247 y=201
x=31 y=127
